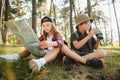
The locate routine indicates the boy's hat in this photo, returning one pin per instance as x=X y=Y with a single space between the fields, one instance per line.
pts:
x=46 y=19
x=81 y=19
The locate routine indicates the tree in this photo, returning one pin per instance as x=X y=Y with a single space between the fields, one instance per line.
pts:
x=4 y=28
x=52 y=6
x=34 y=16
x=65 y=20
x=113 y=1
x=71 y=9
x=111 y=42
x=89 y=8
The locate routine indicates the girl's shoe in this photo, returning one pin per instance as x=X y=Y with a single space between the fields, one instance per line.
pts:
x=35 y=65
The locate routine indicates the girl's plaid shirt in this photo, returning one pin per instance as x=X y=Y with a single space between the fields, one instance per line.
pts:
x=59 y=40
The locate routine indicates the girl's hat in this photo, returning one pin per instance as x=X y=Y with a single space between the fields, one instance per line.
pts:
x=46 y=19
x=81 y=19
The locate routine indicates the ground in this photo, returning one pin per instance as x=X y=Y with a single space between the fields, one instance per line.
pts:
x=56 y=71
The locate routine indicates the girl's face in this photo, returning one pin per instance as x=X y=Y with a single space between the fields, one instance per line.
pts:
x=47 y=27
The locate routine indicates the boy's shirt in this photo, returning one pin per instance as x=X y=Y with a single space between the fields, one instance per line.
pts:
x=85 y=47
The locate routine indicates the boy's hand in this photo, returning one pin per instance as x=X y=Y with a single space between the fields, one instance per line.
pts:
x=99 y=35
x=93 y=32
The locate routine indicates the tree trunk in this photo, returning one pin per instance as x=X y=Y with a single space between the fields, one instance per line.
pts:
x=89 y=8
x=4 y=28
x=71 y=9
x=0 y=7
x=106 y=36
x=116 y=21
x=111 y=42
x=74 y=10
x=34 y=16
x=54 y=13
x=50 y=8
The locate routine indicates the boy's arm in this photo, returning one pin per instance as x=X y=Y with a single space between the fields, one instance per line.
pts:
x=79 y=44
x=96 y=44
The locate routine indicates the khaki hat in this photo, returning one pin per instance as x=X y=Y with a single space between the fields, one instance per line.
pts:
x=81 y=19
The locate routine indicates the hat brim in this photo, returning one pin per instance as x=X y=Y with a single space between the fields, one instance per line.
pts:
x=91 y=20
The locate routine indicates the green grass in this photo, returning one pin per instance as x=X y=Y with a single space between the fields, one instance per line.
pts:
x=9 y=49
x=56 y=71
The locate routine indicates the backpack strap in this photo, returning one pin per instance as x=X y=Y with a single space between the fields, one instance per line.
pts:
x=76 y=34
x=90 y=45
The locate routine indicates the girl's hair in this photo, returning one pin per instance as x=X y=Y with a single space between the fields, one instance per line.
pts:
x=54 y=32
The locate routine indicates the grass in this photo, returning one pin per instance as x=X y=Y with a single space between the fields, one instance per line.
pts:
x=56 y=71
x=9 y=49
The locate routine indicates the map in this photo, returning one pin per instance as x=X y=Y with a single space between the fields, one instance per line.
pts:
x=25 y=33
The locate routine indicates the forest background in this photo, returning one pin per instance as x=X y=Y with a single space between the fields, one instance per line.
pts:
x=104 y=12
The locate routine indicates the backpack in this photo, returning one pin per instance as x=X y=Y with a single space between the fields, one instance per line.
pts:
x=89 y=41
x=65 y=42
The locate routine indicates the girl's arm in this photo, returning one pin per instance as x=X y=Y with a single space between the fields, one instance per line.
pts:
x=46 y=44
x=59 y=41
x=55 y=43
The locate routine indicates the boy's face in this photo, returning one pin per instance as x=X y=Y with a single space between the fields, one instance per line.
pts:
x=85 y=26
x=88 y=24
x=46 y=26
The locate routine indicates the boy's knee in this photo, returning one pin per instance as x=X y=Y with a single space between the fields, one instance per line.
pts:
x=102 y=51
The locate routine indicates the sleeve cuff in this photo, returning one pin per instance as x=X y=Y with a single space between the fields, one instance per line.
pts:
x=59 y=44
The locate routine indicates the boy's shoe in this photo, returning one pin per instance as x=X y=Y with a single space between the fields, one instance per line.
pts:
x=95 y=63
x=35 y=65
x=63 y=60
x=67 y=60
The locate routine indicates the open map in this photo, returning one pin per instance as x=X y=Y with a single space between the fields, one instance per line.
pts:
x=26 y=35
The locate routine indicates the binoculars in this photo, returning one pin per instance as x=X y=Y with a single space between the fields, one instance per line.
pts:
x=99 y=35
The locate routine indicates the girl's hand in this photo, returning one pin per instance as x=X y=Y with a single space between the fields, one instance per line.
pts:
x=44 y=44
